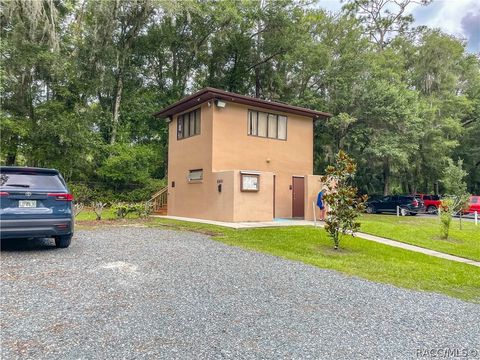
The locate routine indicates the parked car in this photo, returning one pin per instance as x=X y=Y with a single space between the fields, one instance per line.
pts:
x=409 y=205
x=35 y=203
x=432 y=202
x=474 y=205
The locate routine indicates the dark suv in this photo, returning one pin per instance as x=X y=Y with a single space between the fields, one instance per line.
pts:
x=408 y=205
x=35 y=203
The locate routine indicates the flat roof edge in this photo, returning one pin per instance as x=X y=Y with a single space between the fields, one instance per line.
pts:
x=212 y=93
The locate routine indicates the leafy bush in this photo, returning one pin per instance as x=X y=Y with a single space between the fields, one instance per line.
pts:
x=142 y=193
x=128 y=164
x=121 y=209
x=98 y=192
x=81 y=192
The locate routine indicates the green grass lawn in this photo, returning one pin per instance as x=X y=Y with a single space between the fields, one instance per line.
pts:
x=425 y=232
x=357 y=257
x=108 y=214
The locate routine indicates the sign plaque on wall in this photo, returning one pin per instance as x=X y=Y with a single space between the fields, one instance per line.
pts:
x=250 y=182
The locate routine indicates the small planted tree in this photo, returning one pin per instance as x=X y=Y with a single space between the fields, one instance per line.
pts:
x=77 y=208
x=344 y=204
x=450 y=206
x=98 y=208
x=456 y=199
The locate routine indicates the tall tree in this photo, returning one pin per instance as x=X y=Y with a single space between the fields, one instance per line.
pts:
x=108 y=32
x=30 y=45
x=383 y=19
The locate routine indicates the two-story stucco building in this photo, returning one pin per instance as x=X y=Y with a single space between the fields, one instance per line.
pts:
x=237 y=158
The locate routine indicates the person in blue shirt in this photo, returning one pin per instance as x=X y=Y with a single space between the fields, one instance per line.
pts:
x=321 y=204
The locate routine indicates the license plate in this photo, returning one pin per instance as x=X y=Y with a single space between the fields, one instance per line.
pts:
x=27 y=203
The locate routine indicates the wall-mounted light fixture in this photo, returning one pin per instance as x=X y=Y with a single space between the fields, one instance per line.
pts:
x=220 y=104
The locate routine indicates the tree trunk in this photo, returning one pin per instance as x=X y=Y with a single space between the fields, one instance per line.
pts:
x=386 y=177
x=116 y=107
x=118 y=100
x=258 y=55
x=257 y=82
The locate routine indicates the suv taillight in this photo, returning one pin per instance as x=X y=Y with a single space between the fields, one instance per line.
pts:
x=62 y=197
x=4 y=193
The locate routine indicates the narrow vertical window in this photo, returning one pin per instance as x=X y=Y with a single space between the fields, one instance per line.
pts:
x=252 y=122
x=282 y=127
x=180 y=127
x=197 y=122
x=249 y=124
x=192 y=123
x=185 y=126
x=262 y=124
x=272 y=126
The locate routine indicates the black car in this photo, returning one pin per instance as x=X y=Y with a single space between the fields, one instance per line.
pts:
x=407 y=204
x=35 y=203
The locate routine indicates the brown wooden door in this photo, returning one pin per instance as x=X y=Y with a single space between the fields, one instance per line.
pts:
x=298 y=197
x=274 y=180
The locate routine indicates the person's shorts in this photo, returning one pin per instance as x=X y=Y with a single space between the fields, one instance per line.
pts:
x=322 y=207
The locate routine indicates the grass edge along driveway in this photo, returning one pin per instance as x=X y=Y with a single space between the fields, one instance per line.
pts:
x=357 y=257
x=425 y=232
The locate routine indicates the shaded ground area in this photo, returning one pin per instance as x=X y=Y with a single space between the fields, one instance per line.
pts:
x=133 y=292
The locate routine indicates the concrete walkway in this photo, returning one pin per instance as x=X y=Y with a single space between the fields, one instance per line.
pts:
x=292 y=222
x=245 y=224
x=418 y=249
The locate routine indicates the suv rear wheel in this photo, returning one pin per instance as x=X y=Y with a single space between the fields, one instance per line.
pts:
x=63 y=241
x=370 y=209
x=432 y=209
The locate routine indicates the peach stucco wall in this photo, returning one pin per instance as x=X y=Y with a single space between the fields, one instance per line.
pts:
x=223 y=149
x=190 y=199
x=235 y=149
x=254 y=206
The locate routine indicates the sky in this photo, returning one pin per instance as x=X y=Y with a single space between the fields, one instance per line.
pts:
x=456 y=17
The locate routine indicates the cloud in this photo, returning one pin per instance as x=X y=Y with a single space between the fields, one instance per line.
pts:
x=471 y=29
x=330 y=5
x=459 y=18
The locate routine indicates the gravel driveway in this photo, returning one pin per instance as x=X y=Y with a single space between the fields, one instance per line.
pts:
x=132 y=292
